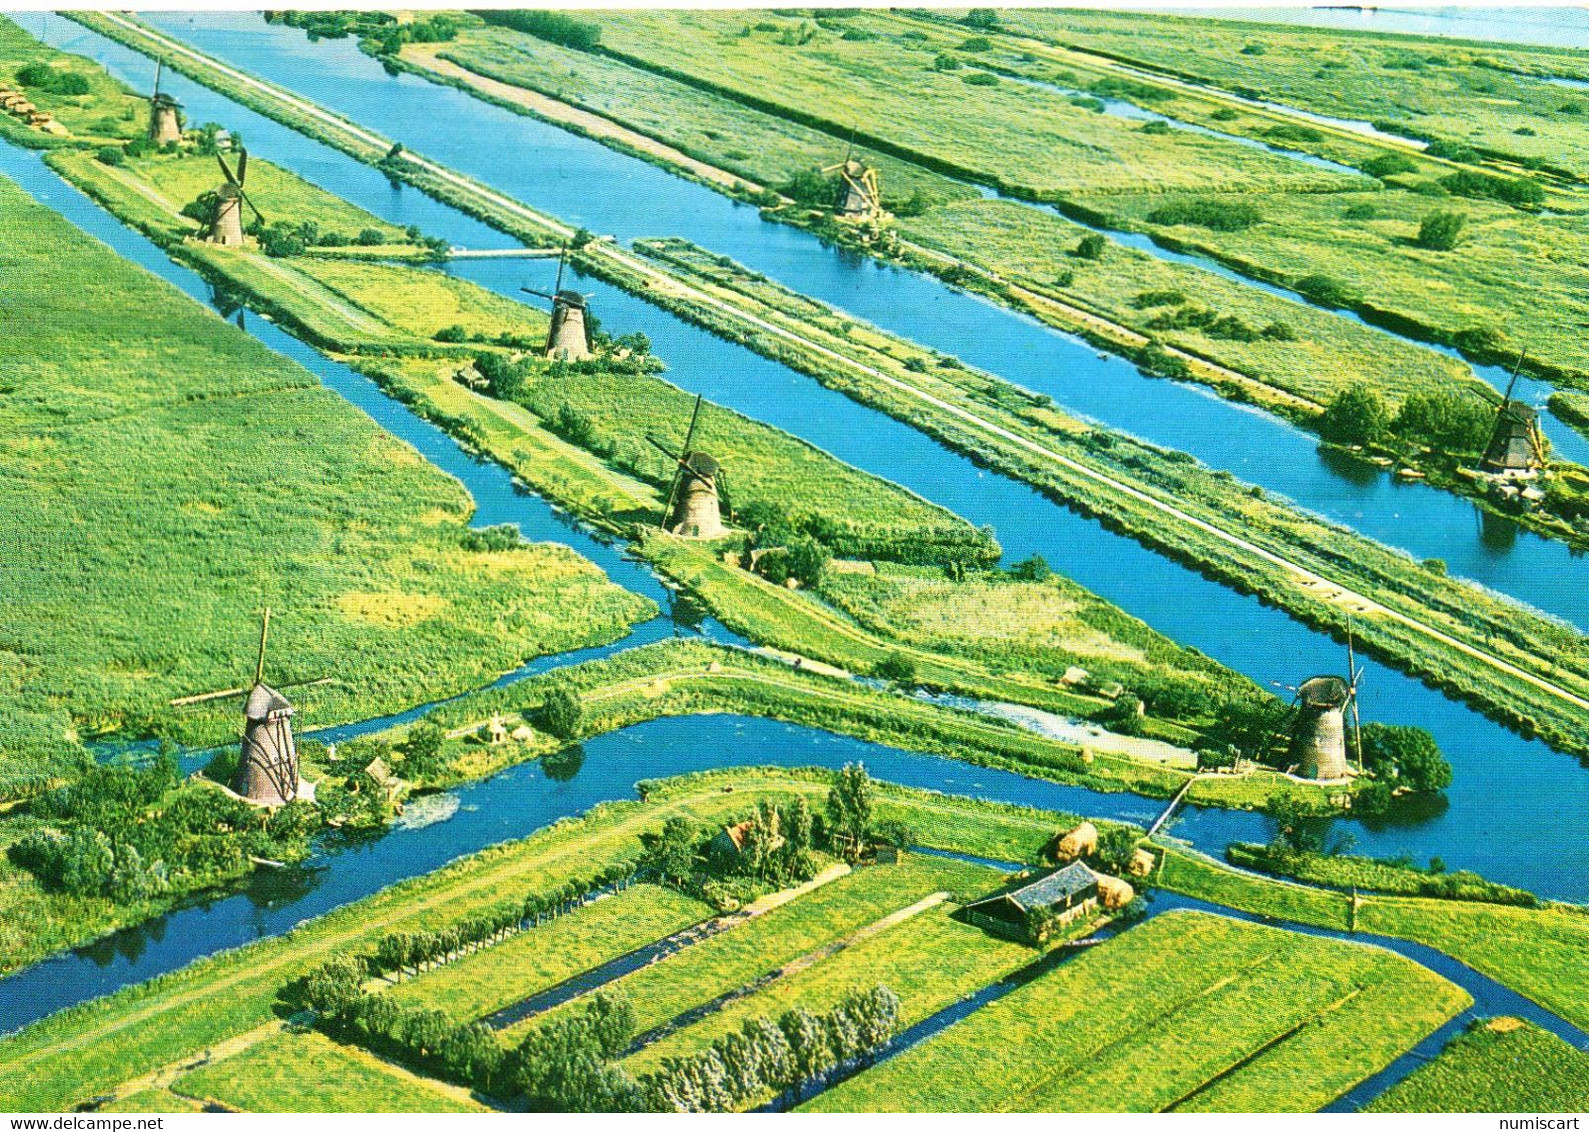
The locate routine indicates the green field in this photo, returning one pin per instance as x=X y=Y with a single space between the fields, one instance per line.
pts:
x=1505 y=1065
x=1483 y=94
x=488 y=980
x=726 y=961
x=1187 y=1011
x=930 y=961
x=356 y=546
x=310 y=1073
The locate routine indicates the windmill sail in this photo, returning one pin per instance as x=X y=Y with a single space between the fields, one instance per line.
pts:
x=693 y=508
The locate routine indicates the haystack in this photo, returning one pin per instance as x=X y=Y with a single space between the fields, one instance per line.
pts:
x=1114 y=892
x=1142 y=863
x=1076 y=843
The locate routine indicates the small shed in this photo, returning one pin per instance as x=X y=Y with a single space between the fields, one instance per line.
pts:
x=383 y=777
x=729 y=844
x=497 y=730
x=1057 y=898
x=1074 y=843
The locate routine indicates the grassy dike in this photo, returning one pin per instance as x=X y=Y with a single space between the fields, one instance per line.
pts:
x=1452 y=635
x=96 y=1046
x=1125 y=483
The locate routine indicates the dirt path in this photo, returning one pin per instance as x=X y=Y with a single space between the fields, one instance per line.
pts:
x=427 y=55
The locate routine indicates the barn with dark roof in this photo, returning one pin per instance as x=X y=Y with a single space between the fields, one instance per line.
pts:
x=1030 y=912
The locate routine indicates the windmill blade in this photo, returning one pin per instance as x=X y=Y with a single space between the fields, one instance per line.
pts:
x=205 y=697
x=226 y=170
x=664 y=449
x=722 y=492
x=542 y=294
x=1352 y=674
x=689 y=435
x=264 y=635
x=1357 y=731
x=242 y=166
x=673 y=483
x=258 y=215
x=562 y=259
x=159 y=64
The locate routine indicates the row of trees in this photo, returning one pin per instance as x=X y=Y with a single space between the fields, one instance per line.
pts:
x=1447 y=420
x=764 y=1056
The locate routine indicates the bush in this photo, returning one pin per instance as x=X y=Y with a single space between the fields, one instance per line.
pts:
x=1324 y=289
x=946 y=62
x=896 y=668
x=1487 y=186
x=1441 y=231
x=1357 y=415
x=554 y=27
x=1206 y=212
x=1388 y=165
x=109 y=155
x=51 y=80
x=371 y=237
x=1091 y=246
x=1143 y=300
x=980 y=78
x=977 y=43
x=1445 y=419
x=1157 y=127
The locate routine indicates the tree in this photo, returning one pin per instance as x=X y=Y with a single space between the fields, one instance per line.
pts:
x=1033 y=569
x=562 y=713
x=849 y=809
x=422 y=749
x=1441 y=231
x=1091 y=246
x=1357 y=415
x=808 y=1042
x=808 y=561
x=897 y=668
x=797 y=824
x=671 y=853
x=1294 y=830
x=1407 y=755
x=1115 y=848
x=1445 y=419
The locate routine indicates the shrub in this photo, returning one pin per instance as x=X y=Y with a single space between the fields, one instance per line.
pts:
x=1441 y=231
x=109 y=155
x=1091 y=246
x=453 y=333
x=946 y=62
x=371 y=237
x=896 y=668
x=1388 y=165
x=554 y=27
x=1206 y=212
x=1324 y=289
x=1143 y=300
x=977 y=43
x=1157 y=127
x=1487 y=186
x=980 y=78
x=1357 y=415
x=42 y=76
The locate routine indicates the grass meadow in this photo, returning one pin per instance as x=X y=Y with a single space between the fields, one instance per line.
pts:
x=525 y=964
x=253 y=487
x=307 y=1072
x=1184 y=1011
x=1503 y=1065
x=727 y=961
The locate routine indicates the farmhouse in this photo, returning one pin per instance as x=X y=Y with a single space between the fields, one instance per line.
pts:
x=1029 y=913
x=729 y=844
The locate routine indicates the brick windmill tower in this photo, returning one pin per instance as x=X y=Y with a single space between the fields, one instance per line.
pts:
x=695 y=496
x=165 y=118
x=226 y=221
x=1517 y=447
x=858 y=199
x=1318 y=727
x=267 y=764
x=567 y=338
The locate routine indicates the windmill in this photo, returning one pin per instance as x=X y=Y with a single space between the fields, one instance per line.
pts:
x=1517 y=447
x=859 y=198
x=566 y=338
x=1317 y=729
x=165 y=121
x=694 y=507
x=226 y=223
x=267 y=764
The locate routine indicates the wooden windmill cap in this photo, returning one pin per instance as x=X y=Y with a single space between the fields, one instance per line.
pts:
x=264 y=701
x=702 y=464
x=1324 y=692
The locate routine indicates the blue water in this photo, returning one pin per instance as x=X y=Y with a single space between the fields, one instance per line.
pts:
x=514 y=804
x=585 y=183
x=1554 y=26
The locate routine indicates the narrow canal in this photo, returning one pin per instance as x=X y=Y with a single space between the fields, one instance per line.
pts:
x=1516 y=819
